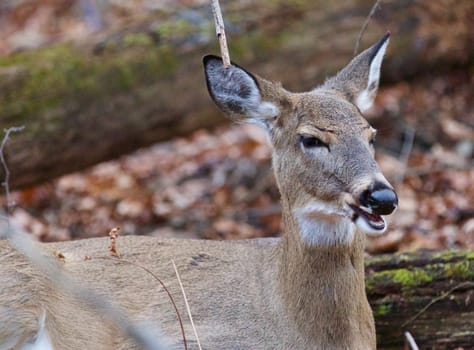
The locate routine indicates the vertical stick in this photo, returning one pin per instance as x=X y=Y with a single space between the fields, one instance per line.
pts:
x=6 y=183
x=187 y=305
x=220 y=32
x=364 y=26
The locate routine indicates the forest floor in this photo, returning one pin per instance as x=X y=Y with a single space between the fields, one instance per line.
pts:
x=218 y=184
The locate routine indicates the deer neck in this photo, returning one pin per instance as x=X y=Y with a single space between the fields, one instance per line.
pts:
x=322 y=285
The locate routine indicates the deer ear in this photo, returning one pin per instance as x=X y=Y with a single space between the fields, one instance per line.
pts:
x=236 y=92
x=359 y=80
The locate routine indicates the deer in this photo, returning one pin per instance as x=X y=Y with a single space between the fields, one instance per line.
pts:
x=305 y=290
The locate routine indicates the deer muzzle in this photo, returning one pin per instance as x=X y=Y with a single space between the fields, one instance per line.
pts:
x=379 y=199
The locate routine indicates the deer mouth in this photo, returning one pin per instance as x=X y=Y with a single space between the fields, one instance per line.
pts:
x=367 y=221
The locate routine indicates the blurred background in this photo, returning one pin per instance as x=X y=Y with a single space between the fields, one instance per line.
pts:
x=120 y=131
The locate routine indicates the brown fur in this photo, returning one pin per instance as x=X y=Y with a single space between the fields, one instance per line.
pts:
x=253 y=294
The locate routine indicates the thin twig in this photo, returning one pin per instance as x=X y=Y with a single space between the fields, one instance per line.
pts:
x=365 y=25
x=170 y=296
x=6 y=182
x=187 y=305
x=411 y=341
x=435 y=300
x=113 y=234
x=409 y=138
x=220 y=32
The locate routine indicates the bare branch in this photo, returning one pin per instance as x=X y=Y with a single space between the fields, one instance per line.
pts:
x=5 y=166
x=113 y=234
x=365 y=25
x=220 y=32
x=170 y=296
x=435 y=300
x=187 y=305
x=405 y=152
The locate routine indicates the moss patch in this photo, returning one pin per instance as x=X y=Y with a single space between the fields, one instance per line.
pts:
x=382 y=310
x=247 y=46
x=410 y=278
x=462 y=270
x=176 y=29
x=65 y=76
x=406 y=278
x=454 y=254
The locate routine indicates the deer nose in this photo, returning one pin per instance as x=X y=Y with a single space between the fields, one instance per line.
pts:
x=380 y=198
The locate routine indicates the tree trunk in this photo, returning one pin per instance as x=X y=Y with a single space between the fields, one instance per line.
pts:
x=430 y=295
x=85 y=103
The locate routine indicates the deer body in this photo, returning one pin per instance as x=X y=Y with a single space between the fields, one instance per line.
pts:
x=233 y=289
x=303 y=291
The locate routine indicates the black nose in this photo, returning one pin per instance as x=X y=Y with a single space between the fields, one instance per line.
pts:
x=380 y=198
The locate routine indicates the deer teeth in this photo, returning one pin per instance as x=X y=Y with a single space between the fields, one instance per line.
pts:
x=367 y=221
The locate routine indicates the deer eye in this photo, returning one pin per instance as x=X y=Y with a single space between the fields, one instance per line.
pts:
x=312 y=142
x=372 y=141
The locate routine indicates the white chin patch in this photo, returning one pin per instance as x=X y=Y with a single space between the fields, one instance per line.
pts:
x=324 y=224
x=370 y=228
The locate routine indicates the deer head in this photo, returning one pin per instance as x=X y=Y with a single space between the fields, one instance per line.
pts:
x=323 y=148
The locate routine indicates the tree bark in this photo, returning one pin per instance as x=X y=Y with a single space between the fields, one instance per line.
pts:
x=430 y=295
x=84 y=103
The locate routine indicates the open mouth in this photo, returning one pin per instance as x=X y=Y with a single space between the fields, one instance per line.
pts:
x=367 y=221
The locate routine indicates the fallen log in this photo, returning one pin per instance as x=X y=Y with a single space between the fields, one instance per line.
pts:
x=430 y=295
x=83 y=103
